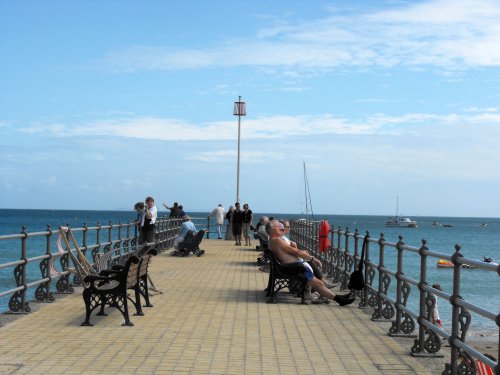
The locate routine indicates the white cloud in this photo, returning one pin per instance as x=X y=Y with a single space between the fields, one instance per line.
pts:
x=447 y=34
x=247 y=157
x=276 y=127
x=49 y=181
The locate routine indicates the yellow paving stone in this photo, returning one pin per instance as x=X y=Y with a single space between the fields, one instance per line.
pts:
x=212 y=318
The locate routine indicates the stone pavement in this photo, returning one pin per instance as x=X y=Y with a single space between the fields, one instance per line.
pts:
x=212 y=318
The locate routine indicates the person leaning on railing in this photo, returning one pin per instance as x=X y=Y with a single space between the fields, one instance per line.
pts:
x=148 y=221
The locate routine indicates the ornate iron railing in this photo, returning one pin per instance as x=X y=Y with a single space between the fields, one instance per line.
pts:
x=390 y=304
x=92 y=241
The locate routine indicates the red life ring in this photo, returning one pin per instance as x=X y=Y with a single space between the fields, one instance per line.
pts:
x=324 y=236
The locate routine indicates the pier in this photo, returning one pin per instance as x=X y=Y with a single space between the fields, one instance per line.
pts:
x=211 y=318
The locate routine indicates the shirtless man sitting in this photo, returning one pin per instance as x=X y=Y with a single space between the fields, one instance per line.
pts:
x=287 y=254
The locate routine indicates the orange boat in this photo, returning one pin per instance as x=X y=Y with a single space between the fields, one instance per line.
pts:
x=441 y=263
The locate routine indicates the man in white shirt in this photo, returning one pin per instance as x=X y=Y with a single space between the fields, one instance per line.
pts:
x=219 y=214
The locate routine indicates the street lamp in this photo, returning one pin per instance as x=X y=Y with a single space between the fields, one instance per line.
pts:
x=239 y=110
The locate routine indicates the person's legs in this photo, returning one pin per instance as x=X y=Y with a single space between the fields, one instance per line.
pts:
x=246 y=234
x=235 y=234
x=219 y=231
x=177 y=241
x=238 y=235
x=319 y=286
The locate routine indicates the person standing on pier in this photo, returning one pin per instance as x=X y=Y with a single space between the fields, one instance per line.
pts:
x=139 y=209
x=181 y=211
x=148 y=221
x=174 y=211
x=229 y=228
x=287 y=254
x=219 y=213
x=237 y=222
x=247 y=223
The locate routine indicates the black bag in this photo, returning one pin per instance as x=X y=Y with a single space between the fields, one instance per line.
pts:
x=357 y=280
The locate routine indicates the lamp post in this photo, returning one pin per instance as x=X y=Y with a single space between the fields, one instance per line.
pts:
x=239 y=110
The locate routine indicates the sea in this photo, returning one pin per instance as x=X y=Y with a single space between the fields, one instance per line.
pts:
x=477 y=238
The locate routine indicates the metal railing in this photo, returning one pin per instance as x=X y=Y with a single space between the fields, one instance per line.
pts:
x=390 y=304
x=94 y=240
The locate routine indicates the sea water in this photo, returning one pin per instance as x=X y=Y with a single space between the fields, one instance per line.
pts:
x=477 y=237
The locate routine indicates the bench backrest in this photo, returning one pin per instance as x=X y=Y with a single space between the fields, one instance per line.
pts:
x=146 y=259
x=132 y=274
x=293 y=269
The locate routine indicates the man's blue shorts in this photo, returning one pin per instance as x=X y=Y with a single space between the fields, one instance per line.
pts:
x=308 y=271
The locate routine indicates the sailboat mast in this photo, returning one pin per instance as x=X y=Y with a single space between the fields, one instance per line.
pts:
x=307 y=193
x=305 y=190
x=397 y=205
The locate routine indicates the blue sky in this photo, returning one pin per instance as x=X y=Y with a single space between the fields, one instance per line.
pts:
x=105 y=102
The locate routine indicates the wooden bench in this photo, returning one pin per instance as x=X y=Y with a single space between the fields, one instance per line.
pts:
x=110 y=287
x=282 y=276
x=143 y=277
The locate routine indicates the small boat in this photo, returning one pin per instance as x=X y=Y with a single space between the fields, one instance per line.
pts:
x=489 y=260
x=400 y=221
x=441 y=263
x=447 y=225
x=436 y=224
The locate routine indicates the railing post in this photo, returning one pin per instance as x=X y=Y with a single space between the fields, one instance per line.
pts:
x=330 y=255
x=42 y=293
x=402 y=293
x=110 y=229
x=378 y=313
x=346 y=259
x=208 y=227
x=17 y=302
x=63 y=285
x=460 y=321
x=364 y=292
x=427 y=343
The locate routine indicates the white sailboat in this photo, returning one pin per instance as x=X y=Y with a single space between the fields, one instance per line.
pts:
x=400 y=221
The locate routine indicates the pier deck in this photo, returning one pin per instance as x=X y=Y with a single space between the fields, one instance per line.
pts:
x=212 y=318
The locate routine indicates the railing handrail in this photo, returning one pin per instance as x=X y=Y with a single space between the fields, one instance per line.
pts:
x=339 y=262
x=114 y=236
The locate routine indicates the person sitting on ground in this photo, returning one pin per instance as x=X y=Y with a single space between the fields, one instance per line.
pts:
x=287 y=254
x=186 y=226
